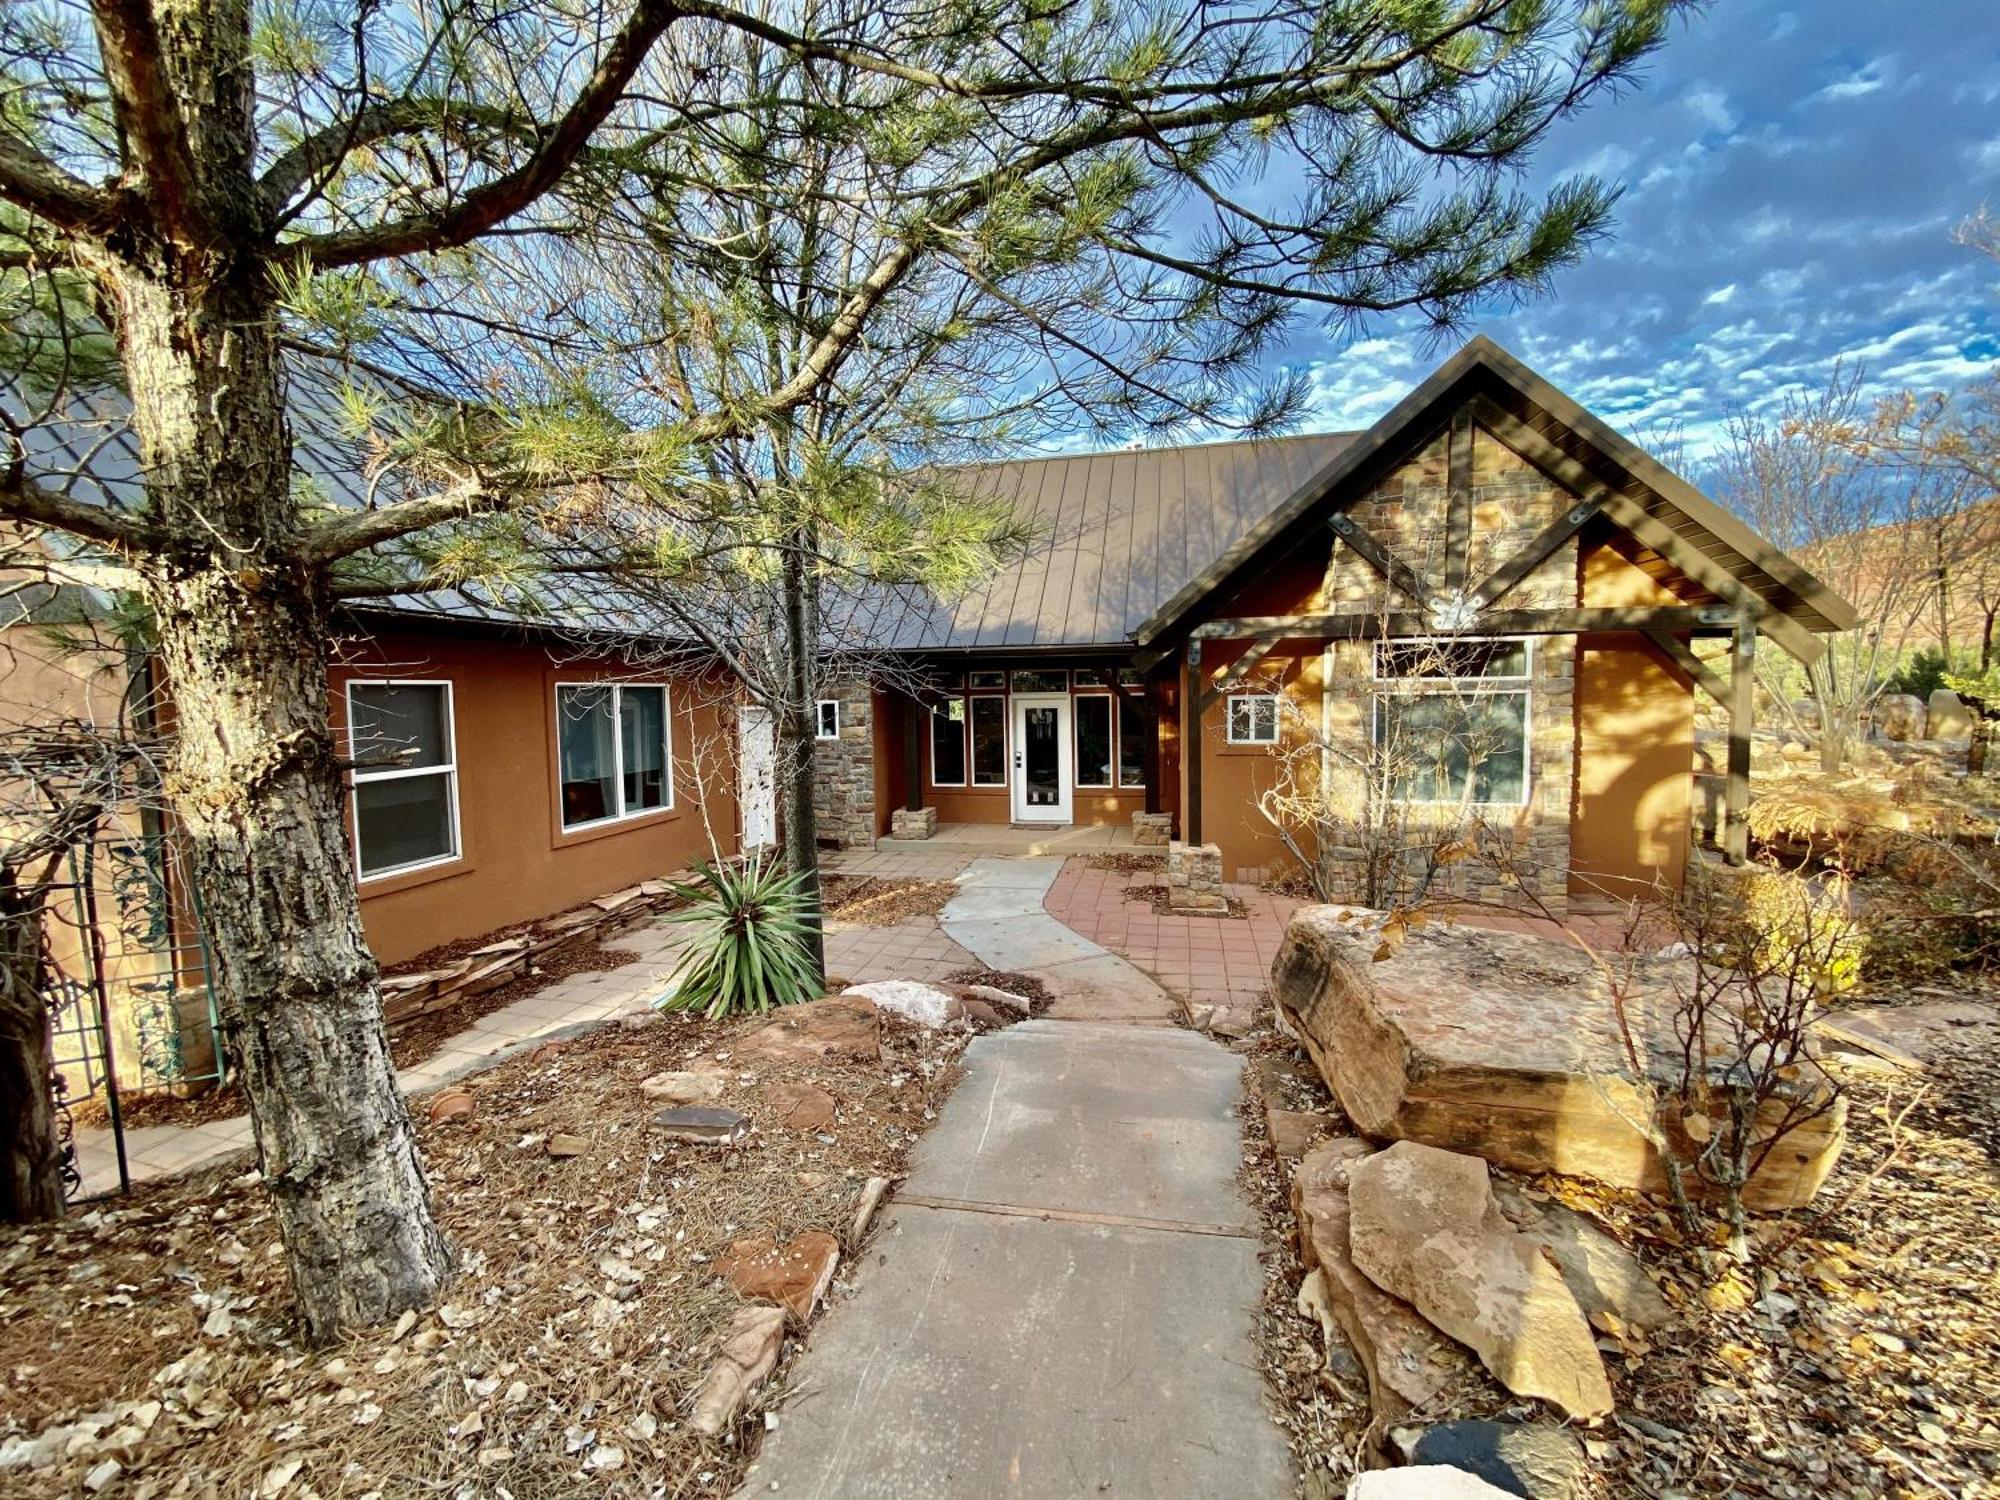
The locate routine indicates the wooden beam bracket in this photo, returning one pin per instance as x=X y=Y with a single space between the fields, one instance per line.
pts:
x=1372 y=552
x=1705 y=676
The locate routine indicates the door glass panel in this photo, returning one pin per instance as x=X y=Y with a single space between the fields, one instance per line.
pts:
x=1041 y=755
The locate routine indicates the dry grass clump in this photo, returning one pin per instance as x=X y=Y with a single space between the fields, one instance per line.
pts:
x=583 y=1315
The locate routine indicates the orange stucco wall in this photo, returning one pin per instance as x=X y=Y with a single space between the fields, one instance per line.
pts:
x=1635 y=746
x=516 y=862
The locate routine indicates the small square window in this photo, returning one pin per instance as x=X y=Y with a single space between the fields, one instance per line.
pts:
x=829 y=719
x=1253 y=719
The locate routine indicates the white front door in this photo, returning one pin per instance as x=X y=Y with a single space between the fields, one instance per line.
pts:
x=757 y=776
x=1041 y=758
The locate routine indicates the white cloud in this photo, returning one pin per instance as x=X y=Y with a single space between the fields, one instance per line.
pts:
x=1720 y=297
x=1710 y=106
x=1871 y=77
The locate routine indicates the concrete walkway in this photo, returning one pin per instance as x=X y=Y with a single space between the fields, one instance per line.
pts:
x=1061 y=1300
x=998 y=915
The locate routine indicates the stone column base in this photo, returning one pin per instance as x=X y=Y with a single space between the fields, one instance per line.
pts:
x=1152 y=830
x=906 y=824
x=1194 y=877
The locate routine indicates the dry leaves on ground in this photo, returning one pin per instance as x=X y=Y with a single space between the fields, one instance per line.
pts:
x=153 y=1333
x=871 y=901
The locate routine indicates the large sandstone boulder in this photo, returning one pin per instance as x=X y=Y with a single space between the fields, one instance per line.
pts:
x=1425 y=1228
x=1406 y=1360
x=1946 y=717
x=1899 y=716
x=1505 y=1046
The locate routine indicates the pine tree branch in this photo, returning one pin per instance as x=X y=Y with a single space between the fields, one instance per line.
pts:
x=354 y=531
x=318 y=154
x=508 y=194
x=144 y=99
x=30 y=180
x=22 y=499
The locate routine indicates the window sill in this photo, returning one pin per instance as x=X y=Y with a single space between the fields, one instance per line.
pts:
x=391 y=881
x=605 y=828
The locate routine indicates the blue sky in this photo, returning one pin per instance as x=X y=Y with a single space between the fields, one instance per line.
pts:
x=1792 y=176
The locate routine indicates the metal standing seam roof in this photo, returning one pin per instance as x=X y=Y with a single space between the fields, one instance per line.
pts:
x=1118 y=535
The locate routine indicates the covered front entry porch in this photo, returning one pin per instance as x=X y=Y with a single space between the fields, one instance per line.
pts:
x=1026 y=755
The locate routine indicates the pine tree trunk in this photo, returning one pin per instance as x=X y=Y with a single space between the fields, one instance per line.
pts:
x=253 y=784
x=796 y=731
x=31 y=1163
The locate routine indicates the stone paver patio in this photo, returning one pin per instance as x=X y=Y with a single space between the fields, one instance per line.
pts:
x=1221 y=961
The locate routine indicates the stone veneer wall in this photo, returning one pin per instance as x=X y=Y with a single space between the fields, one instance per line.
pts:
x=844 y=771
x=1511 y=502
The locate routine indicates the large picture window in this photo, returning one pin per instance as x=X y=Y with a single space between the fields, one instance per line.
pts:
x=948 y=743
x=615 y=746
x=402 y=743
x=989 y=741
x=1093 y=740
x=1451 y=720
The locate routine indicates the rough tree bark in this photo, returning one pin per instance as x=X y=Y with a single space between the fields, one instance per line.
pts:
x=254 y=782
x=31 y=1164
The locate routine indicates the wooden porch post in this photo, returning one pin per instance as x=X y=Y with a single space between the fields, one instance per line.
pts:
x=1191 y=741
x=1742 y=713
x=913 y=755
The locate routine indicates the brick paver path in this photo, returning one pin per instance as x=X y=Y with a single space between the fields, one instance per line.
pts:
x=1222 y=961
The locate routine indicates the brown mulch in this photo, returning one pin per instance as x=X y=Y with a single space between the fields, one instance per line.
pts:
x=219 y=1101
x=1027 y=986
x=870 y=901
x=584 y=1313
x=1125 y=862
x=409 y=1044
x=1295 y=883
x=1859 y=1354
x=1155 y=896
x=421 y=1036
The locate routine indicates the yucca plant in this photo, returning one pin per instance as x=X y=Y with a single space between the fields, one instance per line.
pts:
x=748 y=949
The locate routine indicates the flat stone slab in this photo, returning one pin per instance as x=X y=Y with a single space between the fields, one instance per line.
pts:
x=702 y=1124
x=1061 y=1298
x=1067 y=1115
x=1503 y=1046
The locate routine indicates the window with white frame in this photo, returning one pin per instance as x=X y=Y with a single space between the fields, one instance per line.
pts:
x=614 y=743
x=402 y=743
x=1253 y=719
x=829 y=719
x=1451 y=720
